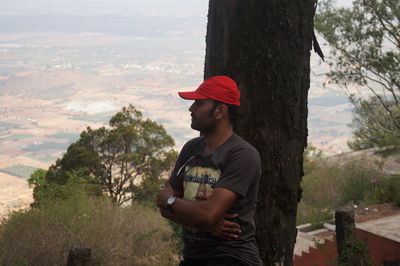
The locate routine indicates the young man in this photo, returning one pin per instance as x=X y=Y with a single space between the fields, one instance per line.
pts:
x=212 y=190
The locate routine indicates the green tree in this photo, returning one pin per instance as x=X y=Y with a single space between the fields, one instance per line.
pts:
x=76 y=180
x=131 y=155
x=39 y=184
x=38 y=178
x=373 y=127
x=365 y=42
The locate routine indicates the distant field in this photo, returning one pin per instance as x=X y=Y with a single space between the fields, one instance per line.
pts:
x=8 y=125
x=65 y=135
x=9 y=70
x=16 y=137
x=54 y=93
x=19 y=170
x=45 y=146
x=100 y=117
x=47 y=158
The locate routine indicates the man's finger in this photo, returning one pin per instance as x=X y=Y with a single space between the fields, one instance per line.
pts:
x=230 y=230
x=228 y=236
x=233 y=236
x=227 y=223
x=230 y=215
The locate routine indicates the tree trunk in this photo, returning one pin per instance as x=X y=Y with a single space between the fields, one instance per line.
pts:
x=265 y=47
x=346 y=239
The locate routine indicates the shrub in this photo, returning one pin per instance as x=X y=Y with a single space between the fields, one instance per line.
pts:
x=46 y=192
x=321 y=186
x=388 y=190
x=359 y=180
x=327 y=187
x=310 y=214
x=354 y=252
x=134 y=235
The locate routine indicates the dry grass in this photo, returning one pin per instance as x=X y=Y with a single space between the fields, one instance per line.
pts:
x=133 y=235
x=327 y=187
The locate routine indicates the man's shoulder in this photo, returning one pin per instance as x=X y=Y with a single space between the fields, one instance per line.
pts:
x=194 y=143
x=239 y=142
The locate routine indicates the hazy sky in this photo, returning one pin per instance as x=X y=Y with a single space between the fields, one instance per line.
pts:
x=345 y=3
x=159 y=7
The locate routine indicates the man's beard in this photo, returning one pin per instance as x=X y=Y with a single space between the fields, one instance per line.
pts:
x=204 y=129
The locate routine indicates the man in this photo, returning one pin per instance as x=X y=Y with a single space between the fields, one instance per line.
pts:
x=212 y=190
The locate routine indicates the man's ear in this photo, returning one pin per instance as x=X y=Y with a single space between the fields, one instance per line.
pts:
x=221 y=111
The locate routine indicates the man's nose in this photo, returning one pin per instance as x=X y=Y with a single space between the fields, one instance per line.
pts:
x=191 y=108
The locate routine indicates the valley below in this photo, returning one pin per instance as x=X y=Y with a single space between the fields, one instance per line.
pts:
x=56 y=82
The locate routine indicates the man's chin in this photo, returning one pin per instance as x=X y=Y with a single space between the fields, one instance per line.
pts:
x=194 y=127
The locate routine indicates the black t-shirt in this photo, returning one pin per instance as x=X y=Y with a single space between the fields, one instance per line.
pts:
x=234 y=165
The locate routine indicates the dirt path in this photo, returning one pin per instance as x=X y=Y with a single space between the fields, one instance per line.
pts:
x=14 y=194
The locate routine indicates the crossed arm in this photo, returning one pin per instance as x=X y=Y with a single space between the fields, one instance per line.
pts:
x=210 y=213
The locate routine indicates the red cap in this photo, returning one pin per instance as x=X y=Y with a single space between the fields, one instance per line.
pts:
x=220 y=88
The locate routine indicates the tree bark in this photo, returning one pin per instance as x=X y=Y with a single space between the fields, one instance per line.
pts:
x=346 y=239
x=265 y=47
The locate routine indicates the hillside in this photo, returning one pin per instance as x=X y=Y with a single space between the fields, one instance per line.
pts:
x=390 y=164
x=15 y=192
x=61 y=73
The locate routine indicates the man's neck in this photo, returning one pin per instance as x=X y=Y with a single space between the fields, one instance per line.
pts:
x=214 y=139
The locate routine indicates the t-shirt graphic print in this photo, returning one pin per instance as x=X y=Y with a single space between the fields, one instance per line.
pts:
x=199 y=182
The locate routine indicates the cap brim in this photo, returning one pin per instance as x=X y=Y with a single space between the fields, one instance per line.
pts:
x=191 y=95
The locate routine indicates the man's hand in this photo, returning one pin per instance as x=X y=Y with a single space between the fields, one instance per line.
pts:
x=209 y=213
x=225 y=229
x=164 y=194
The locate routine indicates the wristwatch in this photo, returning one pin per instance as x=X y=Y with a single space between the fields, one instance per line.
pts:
x=171 y=199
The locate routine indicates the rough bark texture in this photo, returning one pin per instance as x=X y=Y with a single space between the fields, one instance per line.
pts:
x=345 y=228
x=265 y=47
x=346 y=238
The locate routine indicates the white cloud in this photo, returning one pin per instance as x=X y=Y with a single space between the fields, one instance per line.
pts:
x=91 y=108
